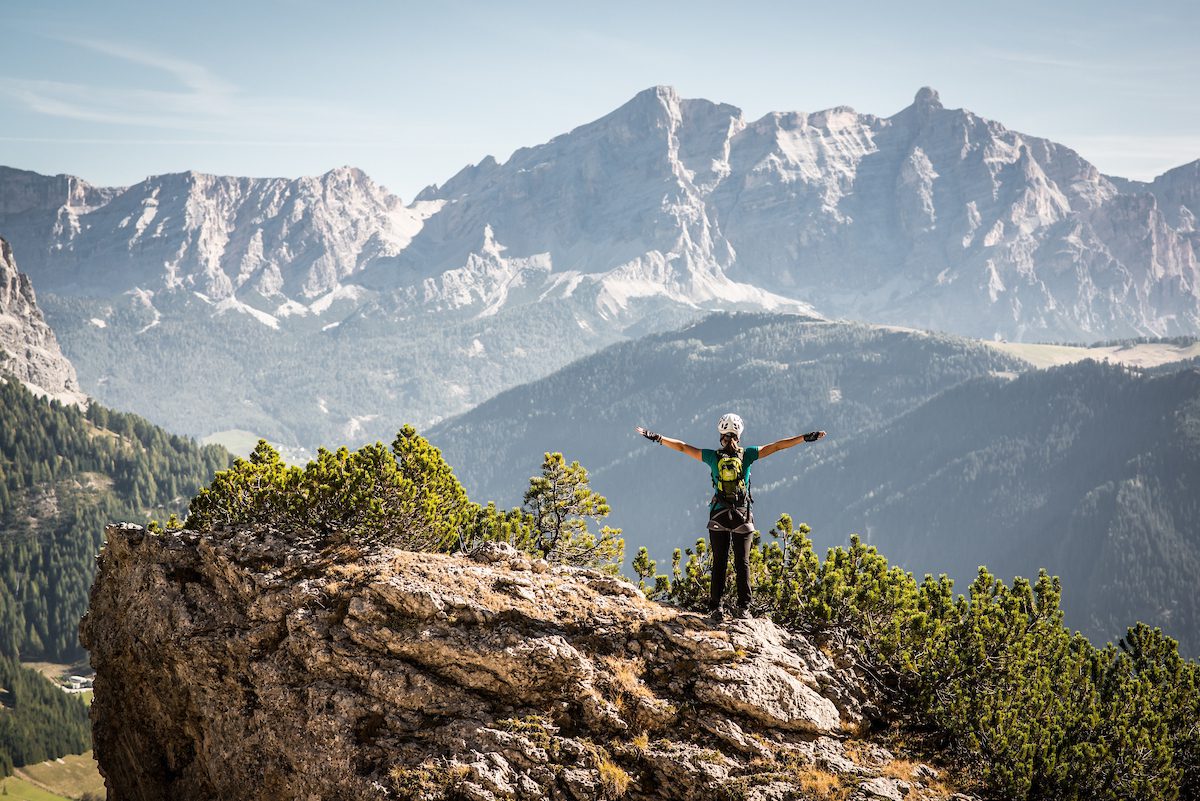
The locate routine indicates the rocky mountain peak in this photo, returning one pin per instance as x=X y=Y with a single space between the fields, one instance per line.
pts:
x=927 y=98
x=661 y=96
x=28 y=348
x=1178 y=193
x=26 y=191
x=241 y=666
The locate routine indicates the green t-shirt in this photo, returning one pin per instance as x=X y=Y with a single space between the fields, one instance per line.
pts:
x=710 y=458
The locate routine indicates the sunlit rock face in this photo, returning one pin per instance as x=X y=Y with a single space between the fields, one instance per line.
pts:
x=239 y=666
x=28 y=350
x=931 y=217
x=636 y=223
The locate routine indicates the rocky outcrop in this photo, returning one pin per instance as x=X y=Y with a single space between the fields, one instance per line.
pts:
x=238 y=666
x=28 y=349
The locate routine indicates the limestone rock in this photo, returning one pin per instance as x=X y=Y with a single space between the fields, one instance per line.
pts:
x=28 y=348
x=882 y=788
x=243 y=667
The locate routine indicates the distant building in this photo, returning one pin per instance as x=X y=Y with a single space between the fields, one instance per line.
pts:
x=79 y=683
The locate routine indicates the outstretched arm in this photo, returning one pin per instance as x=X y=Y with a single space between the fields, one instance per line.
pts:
x=673 y=444
x=784 y=444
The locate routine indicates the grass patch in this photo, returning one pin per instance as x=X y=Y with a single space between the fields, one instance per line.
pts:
x=821 y=784
x=17 y=789
x=534 y=728
x=72 y=776
x=430 y=779
x=614 y=781
x=235 y=440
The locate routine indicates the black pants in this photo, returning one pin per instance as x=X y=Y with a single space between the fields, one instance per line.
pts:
x=720 y=538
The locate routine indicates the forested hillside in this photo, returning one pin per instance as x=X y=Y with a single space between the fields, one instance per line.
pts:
x=1090 y=470
x=400 y=371
x=64 y=474
x=37 y=720
x=934 y=452
x=784 y=374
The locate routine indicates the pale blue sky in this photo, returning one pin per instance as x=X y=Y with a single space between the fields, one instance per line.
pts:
x=115 y=91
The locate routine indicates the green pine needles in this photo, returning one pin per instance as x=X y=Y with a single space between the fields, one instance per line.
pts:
x=405 y=495
x=408 y=497
x=560 y=502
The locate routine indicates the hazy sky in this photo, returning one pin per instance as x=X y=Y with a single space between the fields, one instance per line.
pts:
x=114 y=91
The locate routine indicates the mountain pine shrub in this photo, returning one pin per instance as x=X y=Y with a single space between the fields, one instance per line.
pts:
x=560 y=502
x=407 y=496
x=1031 y=709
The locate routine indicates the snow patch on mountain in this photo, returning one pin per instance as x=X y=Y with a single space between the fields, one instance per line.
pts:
x=145 y=299
x=355 y=426
x=350 y=293
x=229 y=304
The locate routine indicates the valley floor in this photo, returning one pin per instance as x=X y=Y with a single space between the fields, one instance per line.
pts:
x=70 y=777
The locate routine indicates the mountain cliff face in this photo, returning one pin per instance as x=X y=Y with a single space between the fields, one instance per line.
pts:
x=240 y=667
x=218 y=236
x=932 y=217
x=28 y=349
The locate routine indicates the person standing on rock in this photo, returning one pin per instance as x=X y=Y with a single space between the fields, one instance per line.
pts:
x=730 y=518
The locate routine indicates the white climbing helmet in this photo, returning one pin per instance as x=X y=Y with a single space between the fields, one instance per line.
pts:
x=730 y=424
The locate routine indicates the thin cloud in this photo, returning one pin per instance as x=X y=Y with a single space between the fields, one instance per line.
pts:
x=1038 y=60
x=123 y=141
x=202 y=103
x=194 y=76
x=118 y=106
x=1111 y=66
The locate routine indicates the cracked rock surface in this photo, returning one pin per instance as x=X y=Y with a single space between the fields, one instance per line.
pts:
x=238 y=665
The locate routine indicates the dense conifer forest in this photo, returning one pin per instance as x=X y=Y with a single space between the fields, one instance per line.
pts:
x=38 y=721
x=64 y=474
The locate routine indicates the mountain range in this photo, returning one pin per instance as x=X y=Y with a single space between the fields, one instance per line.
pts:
x=325 y=309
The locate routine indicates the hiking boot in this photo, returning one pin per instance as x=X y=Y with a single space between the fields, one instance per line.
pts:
x=743 y=613
x=716 y=615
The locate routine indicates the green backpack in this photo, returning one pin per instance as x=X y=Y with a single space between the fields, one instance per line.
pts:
x=731 y=479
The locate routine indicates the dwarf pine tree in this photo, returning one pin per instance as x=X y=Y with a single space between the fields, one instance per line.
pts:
x=437 y=506
x=691 y=579
x=406 y=496
x=1032 y=710
x=645 y=569
x=516 y=527
x=254 y=490
x=561 y=500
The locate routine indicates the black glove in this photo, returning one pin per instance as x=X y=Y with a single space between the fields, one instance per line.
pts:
x=812 y=436
x=650 y=435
